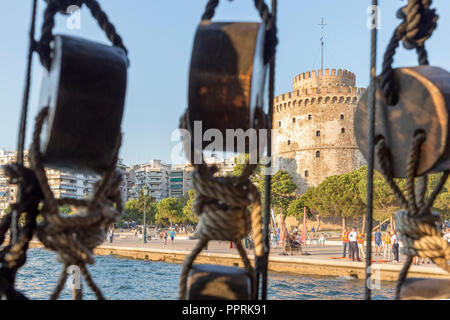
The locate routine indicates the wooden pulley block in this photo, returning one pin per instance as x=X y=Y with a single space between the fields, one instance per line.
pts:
x=212 y=282
x=227 y=77
x=425 y=289
x=423 y=105
x=85 y=91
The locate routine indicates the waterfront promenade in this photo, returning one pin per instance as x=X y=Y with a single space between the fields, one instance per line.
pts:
x=314 y=260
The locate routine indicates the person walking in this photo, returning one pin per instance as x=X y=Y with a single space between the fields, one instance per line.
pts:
x=378 y=243
x=353 y=238
x=394 y=242
x=387 y=246
x=345 y=243
x=172 y=235
x=111 y=235
x=165 y=237
x=361 y=244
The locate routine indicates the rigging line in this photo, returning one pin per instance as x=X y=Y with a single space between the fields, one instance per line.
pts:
x=23 y=116
x=315 y=59
x=370 y=158
x=267 y=189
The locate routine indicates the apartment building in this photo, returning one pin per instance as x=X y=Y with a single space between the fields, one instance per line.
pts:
x=154 y=176
x=180 y=180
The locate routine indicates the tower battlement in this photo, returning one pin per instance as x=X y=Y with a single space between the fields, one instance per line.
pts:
x=324 y=78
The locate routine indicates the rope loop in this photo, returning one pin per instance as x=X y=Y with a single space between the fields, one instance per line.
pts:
x=74 y=237
x=416 y=224
x=54 y=6
x=419 y=22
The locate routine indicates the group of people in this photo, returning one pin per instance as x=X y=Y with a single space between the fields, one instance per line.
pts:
x=386 y=246
x=354 y=242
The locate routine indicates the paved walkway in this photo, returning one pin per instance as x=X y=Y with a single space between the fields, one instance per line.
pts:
x=309 y=251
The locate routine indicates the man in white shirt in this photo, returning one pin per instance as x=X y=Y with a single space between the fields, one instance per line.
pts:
x=394 y=243
x=353 y=237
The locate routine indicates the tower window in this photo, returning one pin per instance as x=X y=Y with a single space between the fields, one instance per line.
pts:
x=309 y=116
x=293 y=120
x=279 y=123
x=289 y=142
x=342 y=130
x=317 y=154
x=342 y=116
x=306 y=173
x=317 y=133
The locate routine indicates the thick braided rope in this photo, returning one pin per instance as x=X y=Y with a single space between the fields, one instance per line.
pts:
x=222 y=211
x=53 y=7
x=75 y=237
x=221 y=206
x=419 y=22
x=420 y=237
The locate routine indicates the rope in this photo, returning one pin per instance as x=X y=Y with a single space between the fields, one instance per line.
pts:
x=221 y=204
x=419 y=22
x=416 y=224
x=75 y=237
x=13 y=256
x=53 y=7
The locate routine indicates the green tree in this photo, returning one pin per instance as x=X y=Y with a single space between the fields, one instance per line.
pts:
x=283 y=190
x=168 y=209
x=134 y=209
x=188 y=213
x=296 y=208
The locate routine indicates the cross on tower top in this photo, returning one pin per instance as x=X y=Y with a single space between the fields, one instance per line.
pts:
x=322 y=24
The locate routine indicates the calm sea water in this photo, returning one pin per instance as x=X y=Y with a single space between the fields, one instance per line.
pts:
x=123 y=279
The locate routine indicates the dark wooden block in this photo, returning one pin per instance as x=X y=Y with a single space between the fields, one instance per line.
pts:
x=425 y=289
x=423 y=104
x=85 y=91
x=227 y=76
x=212 y=282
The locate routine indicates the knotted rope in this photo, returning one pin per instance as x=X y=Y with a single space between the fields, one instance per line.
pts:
x=13 y=256
x=221 y=204
x=416 y=224
x=419 y=22
x=74 y=237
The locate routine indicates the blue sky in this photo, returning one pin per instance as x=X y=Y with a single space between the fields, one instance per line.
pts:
x=159 y=35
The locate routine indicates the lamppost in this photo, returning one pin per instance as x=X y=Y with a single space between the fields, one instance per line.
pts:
x=144 y=232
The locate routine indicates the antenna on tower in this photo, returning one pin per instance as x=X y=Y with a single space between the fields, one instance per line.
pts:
x=322 y=24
